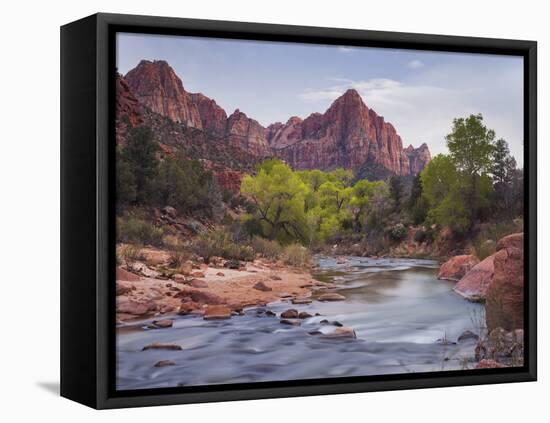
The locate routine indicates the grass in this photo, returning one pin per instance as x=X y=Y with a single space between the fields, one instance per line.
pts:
x=296 y=255
x=128 y=254
x=486 y=240
x=266 y=248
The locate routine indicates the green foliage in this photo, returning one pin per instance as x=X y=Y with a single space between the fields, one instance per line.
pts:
x=220 y=242
x=137 y=165
x=471 y=145
x=397 y=191
x=278 y=194
x=398 y=232
x=134 y=230
x=183 y=184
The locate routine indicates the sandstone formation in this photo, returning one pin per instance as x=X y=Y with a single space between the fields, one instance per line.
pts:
x=247 y=134
x=504 y=298
x=474 y=284
x=213 y=117
x=348 y=135
x=456 y=267
x=156 y=85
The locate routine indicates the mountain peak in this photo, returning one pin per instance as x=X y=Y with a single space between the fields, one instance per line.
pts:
x=156 y=85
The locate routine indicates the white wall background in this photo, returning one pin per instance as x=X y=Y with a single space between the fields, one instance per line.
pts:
x=29 y=211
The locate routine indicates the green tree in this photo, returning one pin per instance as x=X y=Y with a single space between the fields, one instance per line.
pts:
x=140 y=156
x=397 y=191
x=417 y=204
x=125 y=181
x=471 y=145
x=278 y=194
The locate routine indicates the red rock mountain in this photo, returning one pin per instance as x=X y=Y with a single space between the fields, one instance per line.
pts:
x=348 y=134
x=156 y=85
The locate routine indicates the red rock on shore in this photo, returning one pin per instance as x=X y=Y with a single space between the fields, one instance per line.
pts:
x=456 y=267
x=473 y=285
x=504 y=297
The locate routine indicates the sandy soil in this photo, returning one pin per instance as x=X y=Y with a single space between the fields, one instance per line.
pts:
x=139 y=296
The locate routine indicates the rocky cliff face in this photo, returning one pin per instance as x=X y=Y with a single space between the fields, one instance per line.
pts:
x=213 y=117
x=128 y=110
x=156 y=85
x=348 y=135
x=246 y=133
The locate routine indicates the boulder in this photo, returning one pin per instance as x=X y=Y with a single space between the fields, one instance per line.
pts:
x=304 y=315
x=290 y=314
x=301 y=301
x=164 y=323
x=332 y=296
x=137 y=308
x=162 y=346
x=124 y=275
x=123 y=289
x=198 y=275
x=217 y=312
x=473 y=285
x=275 y=278
x=290 y=322
x=456 y=267
x=505 y=294
x=341 y=332
x=164 y=363
x=261 y=286
x=221 y=274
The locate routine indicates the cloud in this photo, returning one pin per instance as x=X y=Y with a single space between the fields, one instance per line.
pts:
x=415 y=64
x=344 y=49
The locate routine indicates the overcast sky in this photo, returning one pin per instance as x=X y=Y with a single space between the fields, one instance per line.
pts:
x=418 y=92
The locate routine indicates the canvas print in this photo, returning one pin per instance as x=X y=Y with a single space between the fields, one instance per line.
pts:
x=291 y=211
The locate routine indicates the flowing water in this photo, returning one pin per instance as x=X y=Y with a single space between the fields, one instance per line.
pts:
x=405 y=320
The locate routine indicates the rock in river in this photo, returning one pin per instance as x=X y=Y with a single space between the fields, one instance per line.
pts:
x=217 y=312
x=290 y=314
x=162 y=346
x=164 y=323
x=301 y=301
x=164 y=363
x=290 y=322
x=332 y=296
x=342 y=332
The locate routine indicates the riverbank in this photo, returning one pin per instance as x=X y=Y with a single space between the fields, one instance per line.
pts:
x=144 y=289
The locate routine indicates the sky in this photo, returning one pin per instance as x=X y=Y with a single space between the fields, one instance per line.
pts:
x=419 y=92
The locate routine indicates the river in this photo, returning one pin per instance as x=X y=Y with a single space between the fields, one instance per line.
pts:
x=405 y=320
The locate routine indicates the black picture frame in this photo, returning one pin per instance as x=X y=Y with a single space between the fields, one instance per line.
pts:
x=87 y=209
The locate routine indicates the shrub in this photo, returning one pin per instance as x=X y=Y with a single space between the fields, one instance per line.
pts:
x=134 y=230
x=266 y=248
x=128 y=254
x=296 y=255
x=398 y=232
x=220 y=243
x=424 y=235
